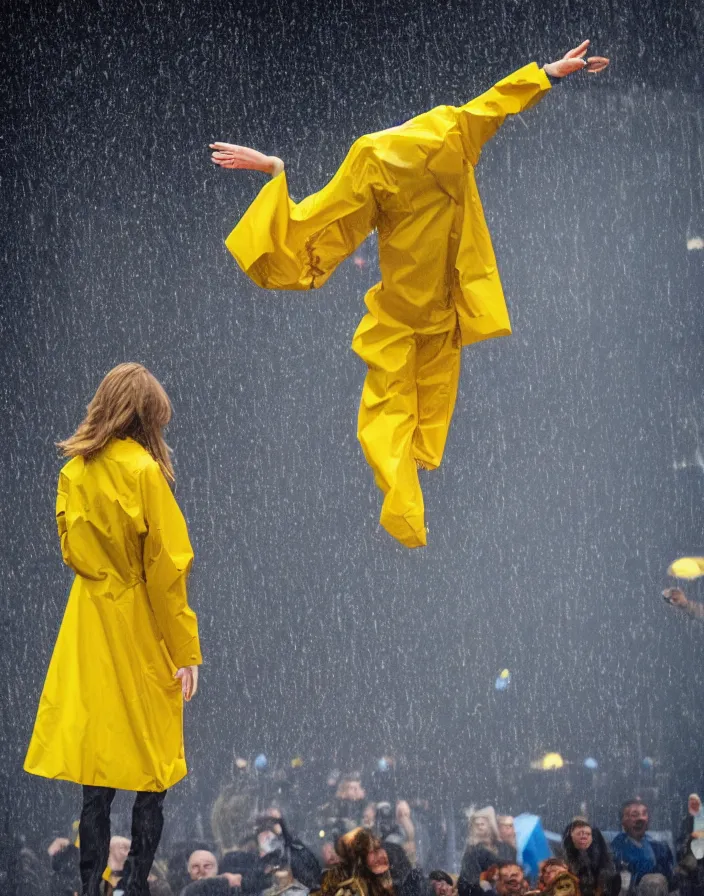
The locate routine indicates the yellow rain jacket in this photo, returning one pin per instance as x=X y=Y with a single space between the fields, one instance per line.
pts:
x=111 y=711
x=439 y=286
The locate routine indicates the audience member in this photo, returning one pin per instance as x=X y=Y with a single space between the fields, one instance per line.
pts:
x=202 y=863
x=511 y=880
x=641 y=854
x=549 y=870
x=441 y=883
x=690 y=849
x=117 y=856
x=488 y=880
x=589 y=859
x=484 y=849
x=65 y=877
x=507 y=830
x=564 y=884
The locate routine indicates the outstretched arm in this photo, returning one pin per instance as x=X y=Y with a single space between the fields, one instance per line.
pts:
x=281 y=244
x=480 y=118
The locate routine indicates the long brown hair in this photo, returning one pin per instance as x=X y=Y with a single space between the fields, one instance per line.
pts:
x=130 y=402
x=353 y=873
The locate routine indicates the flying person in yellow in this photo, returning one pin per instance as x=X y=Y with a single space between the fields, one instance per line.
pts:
x=127 y=654
x=439 y=287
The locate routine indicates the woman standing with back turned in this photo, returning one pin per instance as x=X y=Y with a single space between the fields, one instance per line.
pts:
x=127 y=654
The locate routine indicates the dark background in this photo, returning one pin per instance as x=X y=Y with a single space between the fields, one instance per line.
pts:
x=570 y=479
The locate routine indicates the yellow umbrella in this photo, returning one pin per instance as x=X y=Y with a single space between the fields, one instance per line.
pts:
x=687 y=568
x=551 y=761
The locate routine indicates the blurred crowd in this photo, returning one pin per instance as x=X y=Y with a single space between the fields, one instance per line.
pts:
x=352 y=846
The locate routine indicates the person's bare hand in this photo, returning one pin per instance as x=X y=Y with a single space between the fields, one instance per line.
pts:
x=232 y=155
x=234 y=880
x=57 y=845
x=575 y=61
x=697 y=835
x=189 y=681
x=675 y=596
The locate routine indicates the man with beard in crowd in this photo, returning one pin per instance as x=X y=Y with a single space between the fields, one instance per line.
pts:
x=648 y=860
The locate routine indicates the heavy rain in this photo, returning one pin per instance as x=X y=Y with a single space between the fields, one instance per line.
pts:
x=532 y=623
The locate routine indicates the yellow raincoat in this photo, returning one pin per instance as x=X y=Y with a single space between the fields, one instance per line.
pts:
x=111 y=712
x=439 y=288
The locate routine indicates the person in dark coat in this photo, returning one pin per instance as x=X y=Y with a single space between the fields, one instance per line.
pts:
x=689 y=849
x=589 y=859
x=484 y=849
x=65 y=879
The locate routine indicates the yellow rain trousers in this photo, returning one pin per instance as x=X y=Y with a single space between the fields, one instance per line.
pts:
x=439 y=288
x=110 y=713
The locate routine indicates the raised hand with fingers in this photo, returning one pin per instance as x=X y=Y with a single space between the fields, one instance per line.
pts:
x=575 y=61
x=230 y=155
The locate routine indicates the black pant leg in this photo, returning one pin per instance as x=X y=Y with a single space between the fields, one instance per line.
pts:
x=147 y=824
x=94 y=834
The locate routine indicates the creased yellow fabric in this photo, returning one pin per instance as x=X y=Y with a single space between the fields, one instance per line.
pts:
x=439 y=288
x=111 y=712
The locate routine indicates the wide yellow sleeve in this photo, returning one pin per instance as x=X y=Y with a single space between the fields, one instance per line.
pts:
x=281 y=244
x=167 y=561
x=481 y=118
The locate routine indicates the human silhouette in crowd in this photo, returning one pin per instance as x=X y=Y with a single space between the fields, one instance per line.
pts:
x=507 y=830
x=395 y=825
x=690 y=849
x=63 y=856
x=346 y=810
x=484 y=848
x=549 y=870
x=511 y=880
x=589 y=859
x=441 y=883
x=367 y=867
x=648 y=860
x=207 y=880
x=564 y=884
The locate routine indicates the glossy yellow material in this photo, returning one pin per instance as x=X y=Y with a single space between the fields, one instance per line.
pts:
x=687 y=568
x=552 y=761
x=111 y=711
x=439 y=288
